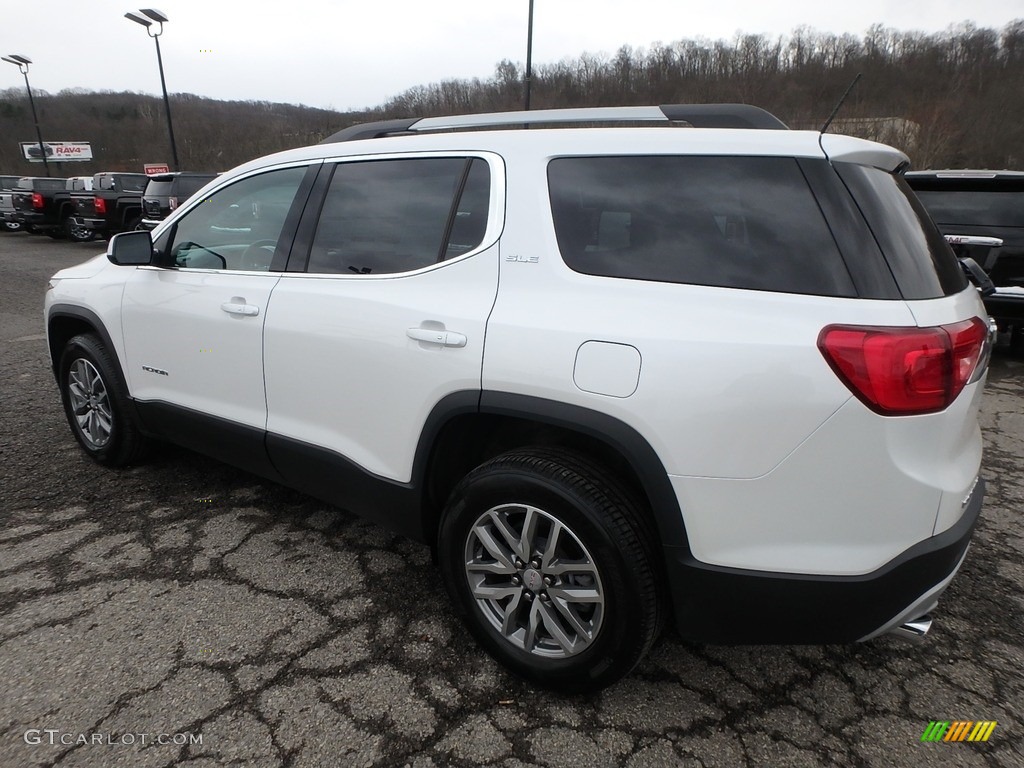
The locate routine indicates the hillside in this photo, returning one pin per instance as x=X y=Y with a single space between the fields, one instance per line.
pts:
x=951 y=99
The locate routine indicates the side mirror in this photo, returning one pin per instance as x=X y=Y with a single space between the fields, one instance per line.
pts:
x=131 y=249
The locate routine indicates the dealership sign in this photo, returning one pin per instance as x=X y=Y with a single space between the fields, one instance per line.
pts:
x=57 y=151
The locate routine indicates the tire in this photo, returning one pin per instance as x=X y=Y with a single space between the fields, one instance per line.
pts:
x=77 y=233
x=576 y=628
x=96 y=404
x=12 y=226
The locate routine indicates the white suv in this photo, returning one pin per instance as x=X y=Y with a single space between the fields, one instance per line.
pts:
x=725 y=374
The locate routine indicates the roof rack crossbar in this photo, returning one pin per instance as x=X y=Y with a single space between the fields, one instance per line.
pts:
x=697 y=115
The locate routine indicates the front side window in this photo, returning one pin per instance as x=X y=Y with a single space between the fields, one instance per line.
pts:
x=390 y=216
x=237 y=227
x=735 y=222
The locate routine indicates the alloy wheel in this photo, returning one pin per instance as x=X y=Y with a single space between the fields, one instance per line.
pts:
x=90 y=403
x=534 y=581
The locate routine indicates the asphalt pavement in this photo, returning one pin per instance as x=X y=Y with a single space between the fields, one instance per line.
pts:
x=186 y=613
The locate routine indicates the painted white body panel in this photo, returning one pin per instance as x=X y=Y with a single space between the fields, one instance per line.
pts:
x=343 y=373
x=173 y=322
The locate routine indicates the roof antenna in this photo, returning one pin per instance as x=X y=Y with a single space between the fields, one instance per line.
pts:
x=840 y=104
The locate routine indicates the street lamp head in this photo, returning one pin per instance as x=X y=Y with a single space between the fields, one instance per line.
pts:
x=155 y=15
x=16 y=59
x=138 y=19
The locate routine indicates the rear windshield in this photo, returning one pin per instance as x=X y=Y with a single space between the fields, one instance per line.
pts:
x=42 y=185
x=126 y=183
x=737 y=222
x=979 y=209
x=189 y=185
x=159 y=188
x=920 y=259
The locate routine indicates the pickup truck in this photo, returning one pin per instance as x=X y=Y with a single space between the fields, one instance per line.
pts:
x=974 y=207
x=7 y=203
x=115 y=204
x=41 y=204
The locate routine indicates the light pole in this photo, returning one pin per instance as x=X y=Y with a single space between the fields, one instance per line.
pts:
x=150 y=15
x=529 y=55
x=22 y=62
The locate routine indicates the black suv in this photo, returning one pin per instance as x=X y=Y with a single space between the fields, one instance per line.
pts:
x=166 y=191
x=988 y=204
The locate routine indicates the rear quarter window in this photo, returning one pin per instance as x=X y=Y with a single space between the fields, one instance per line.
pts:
x=920 y=259
x=735 y=222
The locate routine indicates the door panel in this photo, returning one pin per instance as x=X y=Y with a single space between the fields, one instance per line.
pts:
x=345 y=374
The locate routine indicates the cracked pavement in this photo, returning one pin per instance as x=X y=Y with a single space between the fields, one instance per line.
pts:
x=186 y=597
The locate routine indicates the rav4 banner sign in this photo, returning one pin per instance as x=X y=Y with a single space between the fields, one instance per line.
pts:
x=57 y=151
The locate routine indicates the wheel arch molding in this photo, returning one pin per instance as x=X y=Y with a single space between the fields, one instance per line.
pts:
x=467 y=428
x=64 y=321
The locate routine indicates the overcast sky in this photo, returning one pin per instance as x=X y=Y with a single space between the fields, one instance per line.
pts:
x=347 y=55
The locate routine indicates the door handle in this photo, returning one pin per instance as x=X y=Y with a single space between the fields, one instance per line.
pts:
x=441 y=338
x=240 y=308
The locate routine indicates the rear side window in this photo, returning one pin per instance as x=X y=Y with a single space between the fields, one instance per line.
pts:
x=920 y=259
x=735 y=222
x=389 y=216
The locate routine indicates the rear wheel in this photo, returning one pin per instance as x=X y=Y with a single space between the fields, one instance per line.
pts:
x=77 y=232
x=12 y=226
x=96 y=404
x=545 y=557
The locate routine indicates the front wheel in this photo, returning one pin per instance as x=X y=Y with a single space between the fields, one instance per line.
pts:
x=96 y=404
x=548 y=563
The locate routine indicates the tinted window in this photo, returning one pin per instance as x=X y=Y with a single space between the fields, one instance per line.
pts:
x=979 y=209
x=921 y=261
x=387 y=216
x=189 y=185
x=158 y=188
x=45 y=185
x=738 y=222
x=238 y=227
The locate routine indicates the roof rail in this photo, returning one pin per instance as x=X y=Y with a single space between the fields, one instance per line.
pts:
x=697 y=115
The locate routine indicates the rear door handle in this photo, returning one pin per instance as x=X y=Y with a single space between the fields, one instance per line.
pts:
x=441 y=338
x=240 y=308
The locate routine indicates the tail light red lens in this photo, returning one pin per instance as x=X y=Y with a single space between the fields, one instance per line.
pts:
x=37 y=200
x=100 y=205
x=899 y=371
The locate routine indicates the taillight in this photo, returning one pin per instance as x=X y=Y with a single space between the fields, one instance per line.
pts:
x=899 y=371
x=172 y=203
x=37 y=200
x=100 y=205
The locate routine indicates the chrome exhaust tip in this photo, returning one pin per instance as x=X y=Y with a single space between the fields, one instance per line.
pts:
x=913 y=631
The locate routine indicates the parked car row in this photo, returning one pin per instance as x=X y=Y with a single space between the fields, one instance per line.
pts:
x=82 y=208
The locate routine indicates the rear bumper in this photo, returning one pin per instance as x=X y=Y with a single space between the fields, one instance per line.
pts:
x=98 y=225
x=715 y=604
x=28 y=218
x=1006 y=304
